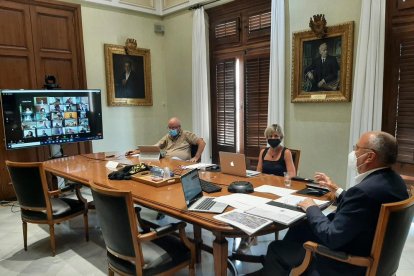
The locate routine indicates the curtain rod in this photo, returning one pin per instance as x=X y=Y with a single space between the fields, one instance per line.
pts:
x=197 y=6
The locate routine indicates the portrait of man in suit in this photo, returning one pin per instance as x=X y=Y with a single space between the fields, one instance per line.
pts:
x=129 y=76
x=323 y=72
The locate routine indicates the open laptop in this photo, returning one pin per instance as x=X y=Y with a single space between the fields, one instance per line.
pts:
x=194 y=195
x=235 y=164
x=149 y=153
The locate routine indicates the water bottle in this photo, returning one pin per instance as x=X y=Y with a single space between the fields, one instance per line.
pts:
x=166 y=172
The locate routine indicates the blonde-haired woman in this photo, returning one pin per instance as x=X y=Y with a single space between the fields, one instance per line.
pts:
x=275 y=159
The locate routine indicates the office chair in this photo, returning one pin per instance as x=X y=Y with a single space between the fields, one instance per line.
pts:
x=39 y=205
x=131 y=252
x=409 y=181
x=393 y=225
x=296 y=158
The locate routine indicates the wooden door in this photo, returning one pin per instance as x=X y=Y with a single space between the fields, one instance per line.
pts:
x=39 y=38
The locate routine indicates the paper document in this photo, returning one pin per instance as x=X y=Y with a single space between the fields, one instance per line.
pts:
x=293 y=200
x=198 y=166
x=274 y=190
x=246 y=222
x=277 y=214
x=242 y=201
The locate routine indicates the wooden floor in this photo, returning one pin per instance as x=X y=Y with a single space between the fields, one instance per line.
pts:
x=75 y=256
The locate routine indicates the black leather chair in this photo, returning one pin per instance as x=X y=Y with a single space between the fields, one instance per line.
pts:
x=131 y=252
x=393 y=225
x=39 y=205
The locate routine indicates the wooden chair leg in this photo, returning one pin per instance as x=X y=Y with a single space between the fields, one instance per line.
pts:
x=52 y=239
x=277 y=235
x=24 y=224
x=86 y=225
x=110 y=272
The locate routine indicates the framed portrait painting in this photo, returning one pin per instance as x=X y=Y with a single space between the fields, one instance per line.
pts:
x=322 y=67
x=128 y=76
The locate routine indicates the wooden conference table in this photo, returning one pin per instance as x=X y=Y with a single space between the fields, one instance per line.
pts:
x=168 y=199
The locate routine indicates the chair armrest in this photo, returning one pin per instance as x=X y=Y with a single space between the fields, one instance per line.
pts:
x=313 y=247
x=54 y=193
x=145 y=225
x=162 y=231
x=338 y=255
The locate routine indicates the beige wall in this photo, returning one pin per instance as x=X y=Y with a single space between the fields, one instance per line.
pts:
x=320 y=131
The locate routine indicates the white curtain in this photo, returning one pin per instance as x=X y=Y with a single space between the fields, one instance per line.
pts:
x=369 y=72
x=276 y=107
x=200 y=87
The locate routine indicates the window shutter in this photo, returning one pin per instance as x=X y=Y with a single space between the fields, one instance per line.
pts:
x=226 y=104
x=259 y=21
x=256 y=103
x=404 y=123
x=227 y=31
x=259 y=26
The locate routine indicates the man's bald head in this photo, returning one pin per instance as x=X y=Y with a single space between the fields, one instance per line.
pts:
x=174 y=123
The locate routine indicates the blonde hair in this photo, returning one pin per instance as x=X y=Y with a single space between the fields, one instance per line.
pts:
x=275 y=128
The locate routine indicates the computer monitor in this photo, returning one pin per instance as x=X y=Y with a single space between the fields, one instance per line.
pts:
x=43 y=117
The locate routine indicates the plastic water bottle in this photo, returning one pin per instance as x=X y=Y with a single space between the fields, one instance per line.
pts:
x=166 y=172
x=157 y=172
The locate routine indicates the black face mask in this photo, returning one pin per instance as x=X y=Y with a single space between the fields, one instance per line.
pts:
x=274 y=142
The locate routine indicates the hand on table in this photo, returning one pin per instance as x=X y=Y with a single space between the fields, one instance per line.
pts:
x=307 y=202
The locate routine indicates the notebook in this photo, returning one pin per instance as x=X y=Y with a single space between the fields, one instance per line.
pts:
x=149 y=153
x=234 y=164
x=194 y=195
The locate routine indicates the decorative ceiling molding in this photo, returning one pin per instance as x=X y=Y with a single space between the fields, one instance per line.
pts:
x=156 y=7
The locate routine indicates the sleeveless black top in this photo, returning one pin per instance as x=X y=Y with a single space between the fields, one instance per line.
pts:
x=277 y=167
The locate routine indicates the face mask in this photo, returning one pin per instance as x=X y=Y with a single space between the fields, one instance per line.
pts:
x=173 y=132
x=274 y=142
x=352 y=161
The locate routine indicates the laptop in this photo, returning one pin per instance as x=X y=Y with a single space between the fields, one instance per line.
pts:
x=235 y=164
x=194 y=195
x=149 y=153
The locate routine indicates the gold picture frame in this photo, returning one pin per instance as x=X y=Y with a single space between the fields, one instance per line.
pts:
x=133 y=88
x=309 y=71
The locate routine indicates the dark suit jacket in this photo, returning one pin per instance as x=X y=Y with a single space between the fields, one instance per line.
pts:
x=352 y=227
x=133 y=88
x=327 y=70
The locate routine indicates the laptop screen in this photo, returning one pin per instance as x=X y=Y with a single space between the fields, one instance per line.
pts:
x=191 y=186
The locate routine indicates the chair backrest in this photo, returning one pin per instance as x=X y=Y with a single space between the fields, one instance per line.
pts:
x=30 y=184
x=118 y=223
x=391 y=233
x=194 y=149
x=295 y=158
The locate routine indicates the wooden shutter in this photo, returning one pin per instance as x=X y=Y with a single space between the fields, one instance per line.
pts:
x=226 y=105
x=256 y=103
x=258 y=25
x=227 y=31
x=398 y=101
x=404 y=117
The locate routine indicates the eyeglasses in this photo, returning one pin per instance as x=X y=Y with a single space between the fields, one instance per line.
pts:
x=356 y=147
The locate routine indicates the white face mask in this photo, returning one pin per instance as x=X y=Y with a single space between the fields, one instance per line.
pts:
x=352 y=161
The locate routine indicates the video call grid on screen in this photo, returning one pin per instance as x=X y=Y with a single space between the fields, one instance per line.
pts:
x=50 y=116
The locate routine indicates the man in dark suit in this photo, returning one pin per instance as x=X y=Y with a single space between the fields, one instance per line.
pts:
x=351 y=228
x=323 y=72
x=131 y=84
